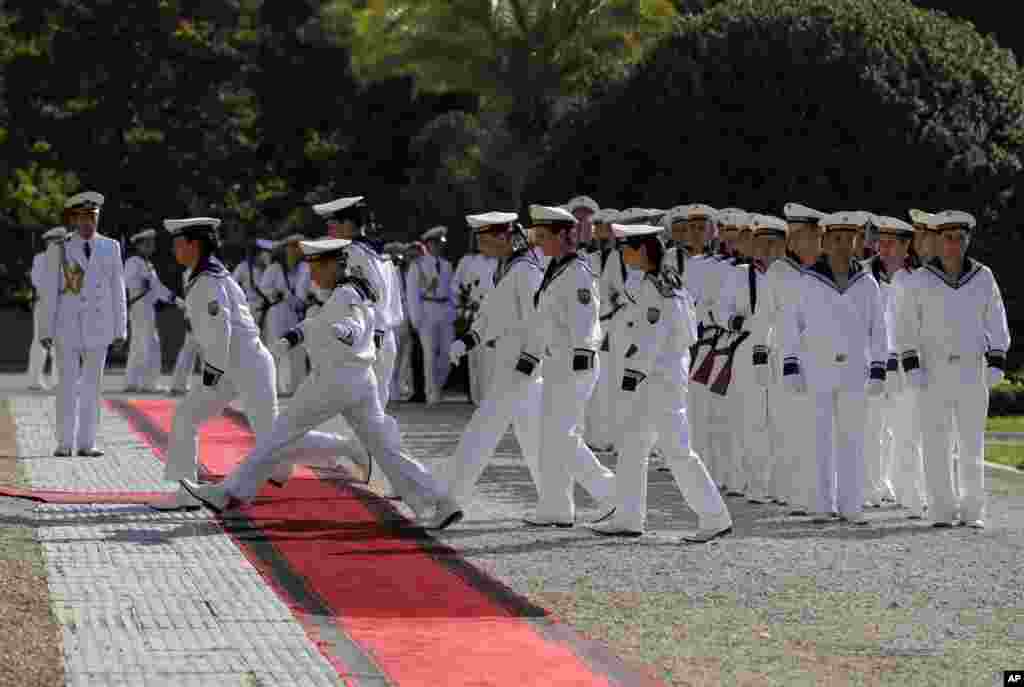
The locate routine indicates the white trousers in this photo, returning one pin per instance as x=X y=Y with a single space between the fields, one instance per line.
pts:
x=252 y=378
x=384 y=366
x=698 y=409
x=352 y=392
x=658 y=413
x=436 y=333
x=839 y=447
x=185 y=363
x=755 y=463
x=291 y=369
x=877 y=449
x=144 y=360
x=401 y=379
x=602 y=418
x=37 y=355
x=564 y=456
x=907 y=462
x=78 y=395
x=949 y=404
x=479 y=361
x=514 y=398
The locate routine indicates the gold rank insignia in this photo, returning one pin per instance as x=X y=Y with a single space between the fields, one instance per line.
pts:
x=74 y=277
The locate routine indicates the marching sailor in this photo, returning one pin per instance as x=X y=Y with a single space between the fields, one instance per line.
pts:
x=146 y=293
x=340 y=342
x=432 y=310
x=85 y=311
x=840 y=358
x=566 y=334
x=952 y=332
x=286 y=283
x=38 y=355
x=654 y=379
x=249 y=275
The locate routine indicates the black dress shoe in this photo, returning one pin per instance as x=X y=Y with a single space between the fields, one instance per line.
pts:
x=62 y=453
x=90 y=452
x=532 y=522
x=942 y=525
x=616 y=532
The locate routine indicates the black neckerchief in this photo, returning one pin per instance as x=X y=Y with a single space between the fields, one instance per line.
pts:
x=555 y=268
x=822 y=270
x=967 y=272
x=505 y=264
x=375 y=246
x=878 y=269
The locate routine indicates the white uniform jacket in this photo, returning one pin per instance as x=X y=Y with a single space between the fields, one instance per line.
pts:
x=219 y=312
x=845 y=342
x=567 y=324
x=341 y=334
x=508 y=311
x=397 y=294
x=429 y=280
x=288 y=294
x=665 y=328
x=954 y=320
x=742 y=308
x=249 y=276
x=366 y=263
x=144 y=286
x=783 y=288
x=38 y=275
x=475 y=275
x=84 y=302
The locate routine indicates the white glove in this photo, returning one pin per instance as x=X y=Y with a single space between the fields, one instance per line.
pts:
x=916 y=379
x=763 y=375
x=795 y=384
x=874 y=388
x=180 y=302
x=457 y=350
x=995 y=375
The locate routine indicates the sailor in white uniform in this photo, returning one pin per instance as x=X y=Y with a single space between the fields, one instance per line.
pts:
x=340 y=342
x=286 y=283
x=432 y=310
x=249 y=275
x=38 y=355
x=85 y=312
x=146 y=293
x=952 y=331
x=654 y=379
x=840 y=357
x=567 y=335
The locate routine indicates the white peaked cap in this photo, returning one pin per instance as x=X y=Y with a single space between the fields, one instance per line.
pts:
x=699 y=211
x=265 y=244
x=325 y=209
x=542 y=214
x=768 y=225
x=582 y=202
x=850 y=218
x=323 y=247
x=605 y=216
x=955 y=218
x=733 y=218
x=892 y=226
x=438 y=232
x=55 y=233
x=795 y=212
x=489 y=219
x=144 y=234
x=176 y=226
x=627 y=231
x=631 y=215
x=292 y=238
x=86 y=199
x=925 y=219
x=677 y=214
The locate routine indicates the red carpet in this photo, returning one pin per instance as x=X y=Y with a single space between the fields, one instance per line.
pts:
x=73 y=497
x=422 y=615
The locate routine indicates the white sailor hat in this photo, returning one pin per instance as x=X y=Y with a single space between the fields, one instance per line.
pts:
x=892 y=226
x=922 y=218
x=265 y=244
x=582 y=202
x=948 y=219
x=605 y=216
x=768 y=225
x=87 y=200
x=191 y=226
x=635 y=231
x=144 y=234
x=323 y=248
x=674 y=215
x=696 y=211
x=337 y=206
x=437 y=233
x=795 y=212
x=490 y=219
x=56 y=234
x=733 y=218
x=837 y=221
x=544 y=214
x=639 y=215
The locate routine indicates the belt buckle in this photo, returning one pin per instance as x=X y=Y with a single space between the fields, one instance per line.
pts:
x=954 y=358
x=840 y=357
